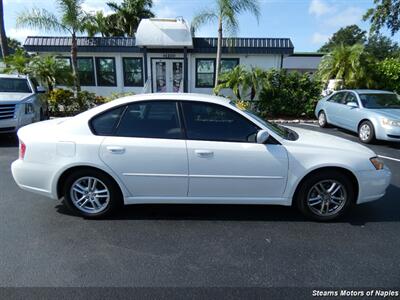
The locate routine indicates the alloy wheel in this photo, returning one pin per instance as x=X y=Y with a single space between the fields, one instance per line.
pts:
x=90 y=195
x=326 y=198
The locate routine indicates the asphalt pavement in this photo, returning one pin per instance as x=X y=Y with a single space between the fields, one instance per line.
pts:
x=42 y=244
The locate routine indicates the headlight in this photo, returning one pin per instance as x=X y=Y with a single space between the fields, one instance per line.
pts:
x=377 y=162
x=388 y=122
x=29 y=109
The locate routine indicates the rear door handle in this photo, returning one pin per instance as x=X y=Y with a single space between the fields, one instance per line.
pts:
x=204 y=153
x=116 y=149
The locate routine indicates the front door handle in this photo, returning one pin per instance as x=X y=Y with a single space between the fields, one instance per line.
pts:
x=204 y=153
x=116 y=149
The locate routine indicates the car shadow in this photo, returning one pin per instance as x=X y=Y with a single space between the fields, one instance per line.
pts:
x=385 y=210
x=8 y=140
x=390 y=144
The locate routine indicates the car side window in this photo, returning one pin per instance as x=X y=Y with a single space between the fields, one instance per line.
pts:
x=153 y=119
x=338 y=98
x=212 y=122
x=351 y=98
x=104 y=123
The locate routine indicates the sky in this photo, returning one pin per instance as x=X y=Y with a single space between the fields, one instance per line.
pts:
x=308 y=23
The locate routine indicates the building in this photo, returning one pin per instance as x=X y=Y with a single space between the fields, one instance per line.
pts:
x=306 y=62
x=164 y=57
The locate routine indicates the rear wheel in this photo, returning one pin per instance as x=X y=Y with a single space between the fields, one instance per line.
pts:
x=366 y=132
x=326 y=195
x=91 y=194
x=322 y=119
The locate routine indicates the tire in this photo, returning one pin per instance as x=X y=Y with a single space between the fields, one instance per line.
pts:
x=310 y=201
x=322 y=122
x=366 y=132
x=93 y=205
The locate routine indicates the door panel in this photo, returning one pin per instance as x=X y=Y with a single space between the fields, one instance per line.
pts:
x=334 y=106
x=349 y=116
x=147 y=150
x=226 y=169
x=148 y=167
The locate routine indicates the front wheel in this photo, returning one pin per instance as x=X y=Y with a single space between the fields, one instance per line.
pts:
x=91 y=194
x=322 y=120
x=366 y=132
x=326 y=195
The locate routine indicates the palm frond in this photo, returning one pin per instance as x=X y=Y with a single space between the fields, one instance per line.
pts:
x=40 y=19
x=203 y=17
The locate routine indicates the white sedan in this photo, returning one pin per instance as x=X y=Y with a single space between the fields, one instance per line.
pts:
x=188 y=148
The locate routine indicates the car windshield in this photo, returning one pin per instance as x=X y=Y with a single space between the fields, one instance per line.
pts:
x=14 y=85
x=280 y=130
x=380 y=100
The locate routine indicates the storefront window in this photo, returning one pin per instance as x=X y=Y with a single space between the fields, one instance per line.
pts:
x=133 y=71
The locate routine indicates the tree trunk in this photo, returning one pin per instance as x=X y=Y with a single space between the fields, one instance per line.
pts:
x=219 y=51
x=3 y=37
x=74 y=54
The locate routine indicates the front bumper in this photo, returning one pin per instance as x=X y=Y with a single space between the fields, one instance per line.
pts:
x=373 y=184
x=388 y=133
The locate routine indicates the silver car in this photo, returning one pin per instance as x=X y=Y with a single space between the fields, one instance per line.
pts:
x=373 y=114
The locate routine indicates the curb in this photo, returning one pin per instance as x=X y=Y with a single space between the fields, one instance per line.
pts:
x=296 y=121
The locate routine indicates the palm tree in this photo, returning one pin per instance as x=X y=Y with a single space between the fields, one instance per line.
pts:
x=72 y=20
x=233 y=80
x=129 y=13
x=346 y=63
x=49 y=70
x=97 y=24
x=254 y=81
x=225 y=13
x=17 y=62
x=3 y=37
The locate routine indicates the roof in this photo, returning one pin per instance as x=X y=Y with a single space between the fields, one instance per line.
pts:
x=163 y=33
x=309 y=54
x=13 y=76
x=366 y=91
x=128 y=44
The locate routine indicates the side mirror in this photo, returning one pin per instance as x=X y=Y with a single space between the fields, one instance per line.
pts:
x=40 y=89
x=262 y=136
x=352 y=104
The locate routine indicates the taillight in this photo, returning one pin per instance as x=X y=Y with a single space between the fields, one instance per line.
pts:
x=22 y=149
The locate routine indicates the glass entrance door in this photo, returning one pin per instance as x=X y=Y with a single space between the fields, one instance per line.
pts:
x=167 y=76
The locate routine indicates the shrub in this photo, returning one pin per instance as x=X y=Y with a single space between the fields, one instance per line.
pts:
x=389 y=74
x=114 y=96
x=289 y=94
x=63 y=102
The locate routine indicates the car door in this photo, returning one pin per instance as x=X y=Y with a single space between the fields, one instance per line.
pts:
x=224 y=158
x=147 y=152
x=349 y=116
x=333 y=106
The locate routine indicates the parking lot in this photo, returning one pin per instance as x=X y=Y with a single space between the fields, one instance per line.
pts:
x=42 y=244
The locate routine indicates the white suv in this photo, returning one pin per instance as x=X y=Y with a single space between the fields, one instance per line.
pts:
x=22 y=102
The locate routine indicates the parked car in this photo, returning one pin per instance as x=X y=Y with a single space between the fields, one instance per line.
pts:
x=189 y=148
x=22 y=102
x=372 y=114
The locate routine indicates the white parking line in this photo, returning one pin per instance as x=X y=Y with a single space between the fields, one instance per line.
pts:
x=390 y=158
x=309 y=124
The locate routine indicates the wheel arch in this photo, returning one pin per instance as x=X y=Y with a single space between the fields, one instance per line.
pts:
x=64 y=175
x=349 y=173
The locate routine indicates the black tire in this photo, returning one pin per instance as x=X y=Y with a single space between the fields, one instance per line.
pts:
x=363 y=136
x=306 y=189
x=41 y=115
x=322 y=122
x=114 y=199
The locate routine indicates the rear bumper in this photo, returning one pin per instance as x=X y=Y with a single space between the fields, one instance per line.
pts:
x=373 y=184
x=33 y=178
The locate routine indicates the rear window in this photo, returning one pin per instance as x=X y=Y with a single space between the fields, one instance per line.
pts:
x=14 y=85
x=105 y=123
